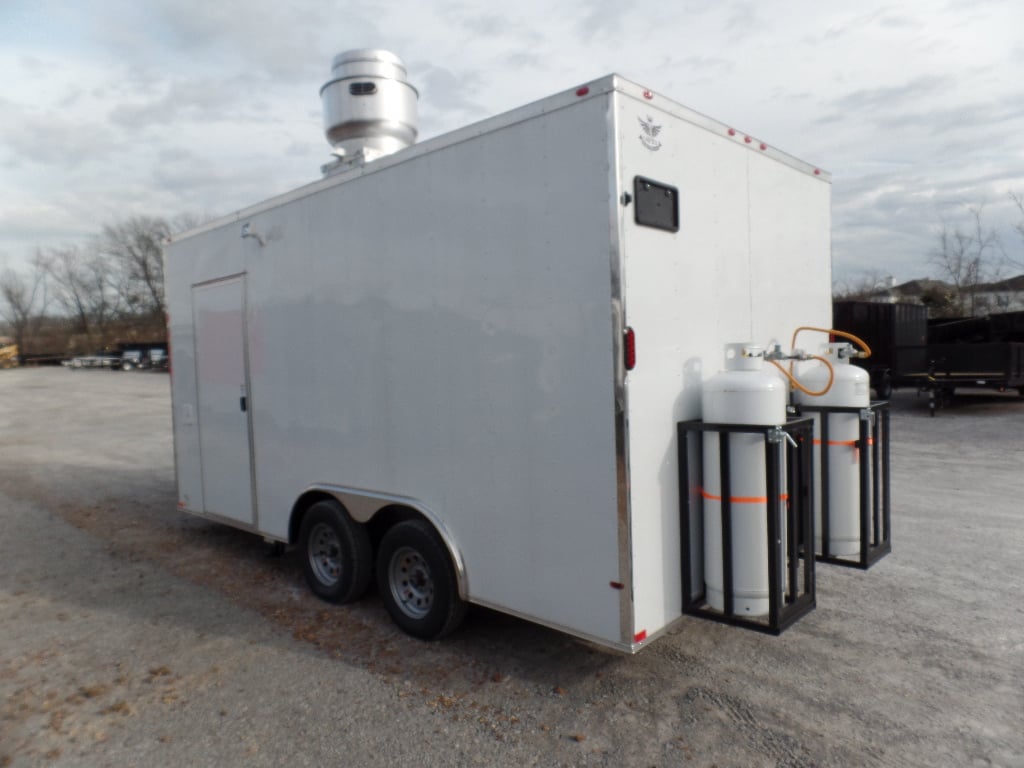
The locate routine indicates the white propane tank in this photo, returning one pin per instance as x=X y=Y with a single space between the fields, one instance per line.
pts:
x=850 y=388
x=744 y=393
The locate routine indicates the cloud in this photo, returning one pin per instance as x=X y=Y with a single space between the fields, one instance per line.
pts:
x=28 y=222
x=744 y=21
x=887 y=221
x=49 y=137
x=175 y=105
x=443 y=90
x=885 y=98
x=900 y=22
x=601 y=18
x=192 y=100
x=270 y=38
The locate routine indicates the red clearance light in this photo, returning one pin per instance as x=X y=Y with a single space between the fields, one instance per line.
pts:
x=764 y=146
x=817 y=172
x=648 y=95
x=732 y=131
x=630 y=349
x=583 y=90
x=616 y=585
x=747 y=139
x=640 y=636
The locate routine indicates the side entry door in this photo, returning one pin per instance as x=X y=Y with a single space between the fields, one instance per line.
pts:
x=222 y=383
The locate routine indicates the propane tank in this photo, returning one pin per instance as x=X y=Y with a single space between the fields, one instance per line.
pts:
x=744 y=393
x=850 y=388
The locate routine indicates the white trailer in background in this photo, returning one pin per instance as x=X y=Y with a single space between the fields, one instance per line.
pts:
x=466 y=360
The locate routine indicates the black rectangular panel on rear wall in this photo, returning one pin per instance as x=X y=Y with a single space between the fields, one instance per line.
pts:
x=657 y=204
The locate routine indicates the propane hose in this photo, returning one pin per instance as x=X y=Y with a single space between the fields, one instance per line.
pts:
x=832 y=331
x=797 y=385
x=831 y=373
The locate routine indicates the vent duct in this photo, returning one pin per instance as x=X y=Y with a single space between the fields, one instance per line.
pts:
x=370 y=109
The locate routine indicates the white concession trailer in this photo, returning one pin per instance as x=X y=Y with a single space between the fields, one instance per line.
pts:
x=458 y=367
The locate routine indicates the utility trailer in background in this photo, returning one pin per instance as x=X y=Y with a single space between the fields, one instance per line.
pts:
x=973 y=365
x=465 y=361
x=992 y=365
x=974 y=352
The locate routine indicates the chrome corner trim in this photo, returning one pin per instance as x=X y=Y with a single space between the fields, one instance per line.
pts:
x=618 y=216
x=362 y=505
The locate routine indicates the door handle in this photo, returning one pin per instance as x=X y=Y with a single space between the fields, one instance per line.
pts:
x=242 y=403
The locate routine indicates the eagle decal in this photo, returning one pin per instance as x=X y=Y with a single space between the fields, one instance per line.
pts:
x=650 y=133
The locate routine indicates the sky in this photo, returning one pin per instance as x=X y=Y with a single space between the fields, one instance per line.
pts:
x=115 y=108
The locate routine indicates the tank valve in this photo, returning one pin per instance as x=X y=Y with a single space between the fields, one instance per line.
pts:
x=777 y=354
x=845 y=351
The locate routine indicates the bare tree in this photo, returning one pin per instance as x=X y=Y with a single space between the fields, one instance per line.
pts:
x=940 y=300
x=135 y=248
x=866 y=286
x=964 y=258
x=83 y=285
x=183 y=222
x=24 y=301
x=1018 y=228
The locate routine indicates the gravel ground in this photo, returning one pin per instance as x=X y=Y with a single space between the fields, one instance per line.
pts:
x=133 y=635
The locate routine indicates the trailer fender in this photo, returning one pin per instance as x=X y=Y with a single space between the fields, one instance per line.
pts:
x=363 y=505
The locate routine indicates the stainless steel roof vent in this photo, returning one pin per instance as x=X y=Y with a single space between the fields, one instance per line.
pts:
x=370 y=109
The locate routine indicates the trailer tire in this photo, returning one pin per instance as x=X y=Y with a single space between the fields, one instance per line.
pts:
x=337 y=557
x=417 y=581
x=884 y=388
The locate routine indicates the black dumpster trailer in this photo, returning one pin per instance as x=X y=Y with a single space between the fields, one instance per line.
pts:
x=897 y=335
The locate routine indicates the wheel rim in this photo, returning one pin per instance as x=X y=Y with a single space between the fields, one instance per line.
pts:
x=325 y=554
x=412 y=584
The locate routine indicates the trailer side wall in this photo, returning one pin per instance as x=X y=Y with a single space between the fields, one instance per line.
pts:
x=441 y=329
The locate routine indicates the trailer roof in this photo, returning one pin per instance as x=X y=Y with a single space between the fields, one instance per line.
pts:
x=560 y=100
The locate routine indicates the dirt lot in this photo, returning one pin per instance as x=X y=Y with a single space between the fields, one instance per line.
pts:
x=133 y=635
